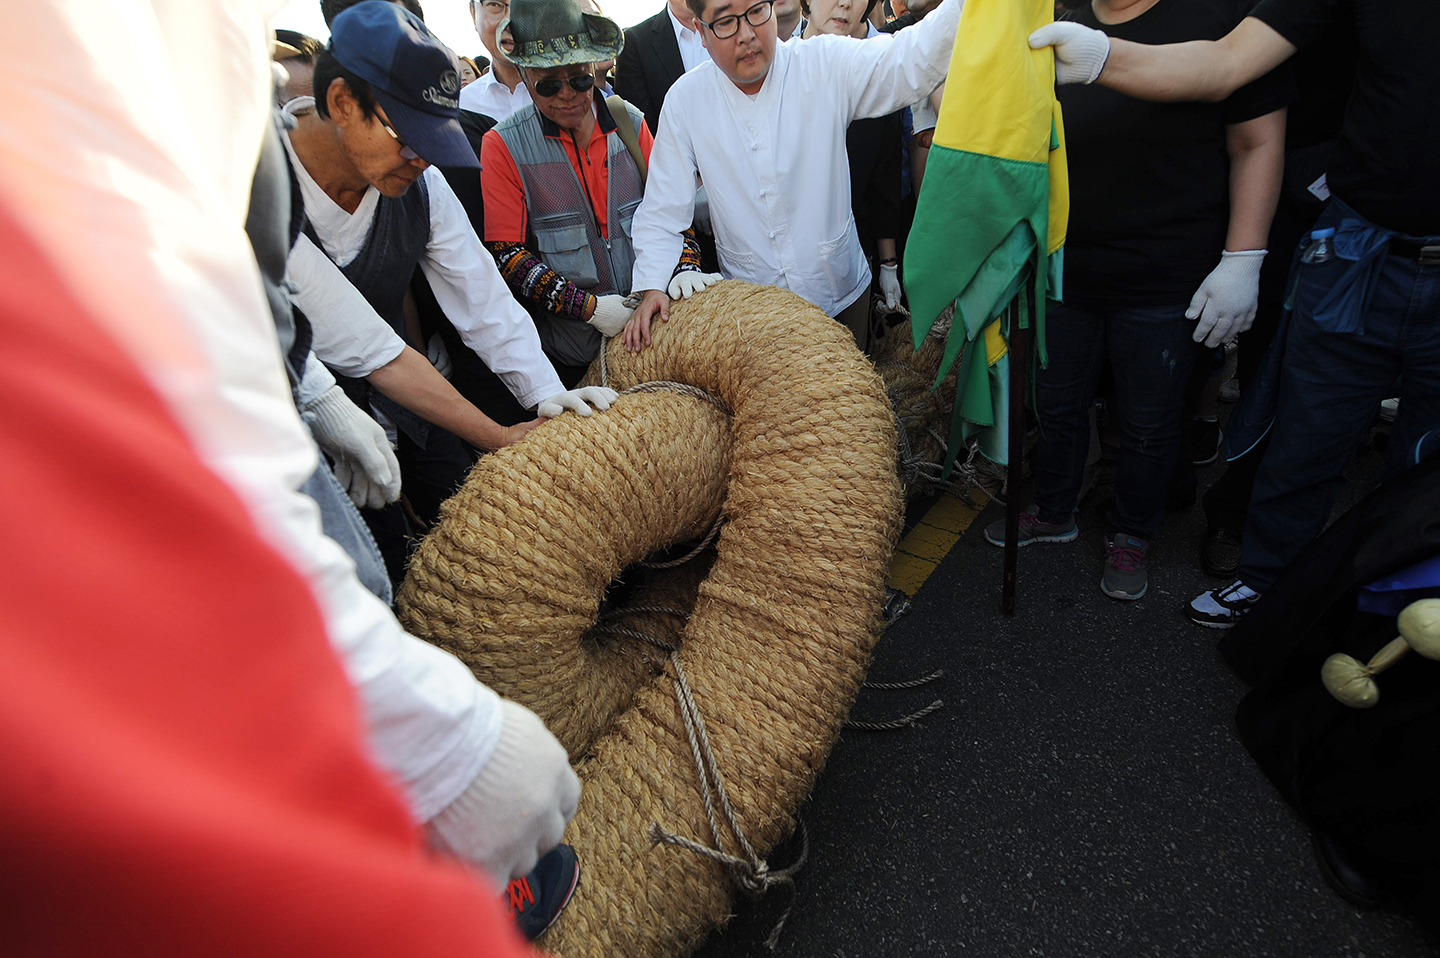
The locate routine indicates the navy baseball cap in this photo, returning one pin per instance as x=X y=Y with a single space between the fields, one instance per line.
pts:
x=414 y=76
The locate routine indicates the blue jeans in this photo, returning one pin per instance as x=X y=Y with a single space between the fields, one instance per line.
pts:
x=1331 y=386
x=341 y=522
x=1151 y=355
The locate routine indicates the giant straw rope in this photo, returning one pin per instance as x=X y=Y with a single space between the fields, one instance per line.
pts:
x=922 y=408
x=782 y=626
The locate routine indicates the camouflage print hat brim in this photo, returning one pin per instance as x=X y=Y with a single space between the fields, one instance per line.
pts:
x=602 y=40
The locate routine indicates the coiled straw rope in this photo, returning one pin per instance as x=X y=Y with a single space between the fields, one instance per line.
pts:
x=922 y=413
x=782 y=625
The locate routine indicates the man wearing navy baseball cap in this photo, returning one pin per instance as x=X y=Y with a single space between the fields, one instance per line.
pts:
x=414 y=78
x=385 y=110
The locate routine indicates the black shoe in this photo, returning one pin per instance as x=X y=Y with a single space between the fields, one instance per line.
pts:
x=1344 y=874
x=1205 y=439
x=536 y=900
x=1220 y=553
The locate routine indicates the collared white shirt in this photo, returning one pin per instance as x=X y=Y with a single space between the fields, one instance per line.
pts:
x=692 y=48
x=356 y=341
x=775 y=166
x=489 y=96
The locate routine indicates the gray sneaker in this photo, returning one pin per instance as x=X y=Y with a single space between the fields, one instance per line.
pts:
x=1033 y=530
x=1125 y=576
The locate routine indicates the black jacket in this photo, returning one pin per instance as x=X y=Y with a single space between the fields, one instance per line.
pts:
x=648 y=66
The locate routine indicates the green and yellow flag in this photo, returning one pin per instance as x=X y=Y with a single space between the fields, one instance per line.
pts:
x=992 y=210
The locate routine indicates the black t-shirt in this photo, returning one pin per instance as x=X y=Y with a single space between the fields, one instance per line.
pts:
x=1149 y=182
x=1387 y=161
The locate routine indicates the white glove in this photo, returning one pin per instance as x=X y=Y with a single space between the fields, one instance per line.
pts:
x=690 y=282
x=517 y=808
x=438 y=355
x=364 y=462
x=1080 y=52
x=611 y=314
x=1225 y=303
x=890 y=285
x=577 y=400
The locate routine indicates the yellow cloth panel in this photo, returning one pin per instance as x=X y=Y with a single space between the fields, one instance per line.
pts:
x=1059 y=189
x=995 y=344
x=1000 y=95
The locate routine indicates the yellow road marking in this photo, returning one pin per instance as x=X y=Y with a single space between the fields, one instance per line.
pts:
x=929 y=541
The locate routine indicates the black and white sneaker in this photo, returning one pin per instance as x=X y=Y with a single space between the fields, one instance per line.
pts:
x=1222 y=608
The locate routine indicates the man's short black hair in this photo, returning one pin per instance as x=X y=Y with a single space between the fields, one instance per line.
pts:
x=308 y=46
x=327 y=71
x=330 y=9
x=697 y=7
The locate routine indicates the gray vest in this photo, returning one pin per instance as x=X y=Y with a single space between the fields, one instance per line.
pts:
x=563 y=231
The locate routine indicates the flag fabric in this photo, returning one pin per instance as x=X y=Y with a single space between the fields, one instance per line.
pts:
x=992 y=211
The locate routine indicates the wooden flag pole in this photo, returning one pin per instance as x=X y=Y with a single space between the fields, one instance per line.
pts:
x=1018 y=366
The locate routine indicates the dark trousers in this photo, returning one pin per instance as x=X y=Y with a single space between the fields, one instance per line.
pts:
x=1151 y=355
x=1330 y=391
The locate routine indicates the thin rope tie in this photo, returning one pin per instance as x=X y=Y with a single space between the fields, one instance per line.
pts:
x=704 y=544
x=903 y=722
x=911 y=684
x=751 y=873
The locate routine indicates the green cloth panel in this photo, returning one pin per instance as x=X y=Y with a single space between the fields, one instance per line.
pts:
x=970 y=208
x=978 y=237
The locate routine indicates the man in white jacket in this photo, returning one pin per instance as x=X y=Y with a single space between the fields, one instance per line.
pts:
x=763 y=124
x=138 y=196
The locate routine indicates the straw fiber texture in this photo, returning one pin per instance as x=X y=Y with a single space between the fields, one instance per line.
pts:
x=518 y=564
x=782 y=626
x=922 y=413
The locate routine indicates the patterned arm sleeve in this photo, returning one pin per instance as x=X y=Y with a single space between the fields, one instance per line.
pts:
x=537 y=284
x=690 y=255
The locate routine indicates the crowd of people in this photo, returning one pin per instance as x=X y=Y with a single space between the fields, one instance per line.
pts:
x=443 y=245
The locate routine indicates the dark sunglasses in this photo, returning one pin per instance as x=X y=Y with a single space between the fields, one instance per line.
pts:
x=550 y=86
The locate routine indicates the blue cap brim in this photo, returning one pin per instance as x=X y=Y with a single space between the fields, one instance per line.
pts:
x=438 y=140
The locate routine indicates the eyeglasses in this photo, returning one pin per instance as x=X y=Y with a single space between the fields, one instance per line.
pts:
x=405 y=152
x=550 y=86
x=726 y=27
x=496 y=8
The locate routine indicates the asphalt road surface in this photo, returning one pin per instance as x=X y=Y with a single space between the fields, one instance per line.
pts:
x=1082 y=791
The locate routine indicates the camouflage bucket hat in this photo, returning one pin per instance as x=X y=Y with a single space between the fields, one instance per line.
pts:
x=555 y=33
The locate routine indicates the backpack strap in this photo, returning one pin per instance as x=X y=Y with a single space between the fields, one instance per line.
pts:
x=626 y=129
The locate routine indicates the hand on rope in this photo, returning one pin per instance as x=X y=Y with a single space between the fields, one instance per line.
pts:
x=690 y=282
x=518 y=431
x=1226 y=301
x=1080 y=52
x=363 y=460
x=577 y=400
x=611 y=314
x=654 y=302
x=517 y=807
x=438 y=355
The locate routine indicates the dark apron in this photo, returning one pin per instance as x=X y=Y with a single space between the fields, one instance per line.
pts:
x=381 y=272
